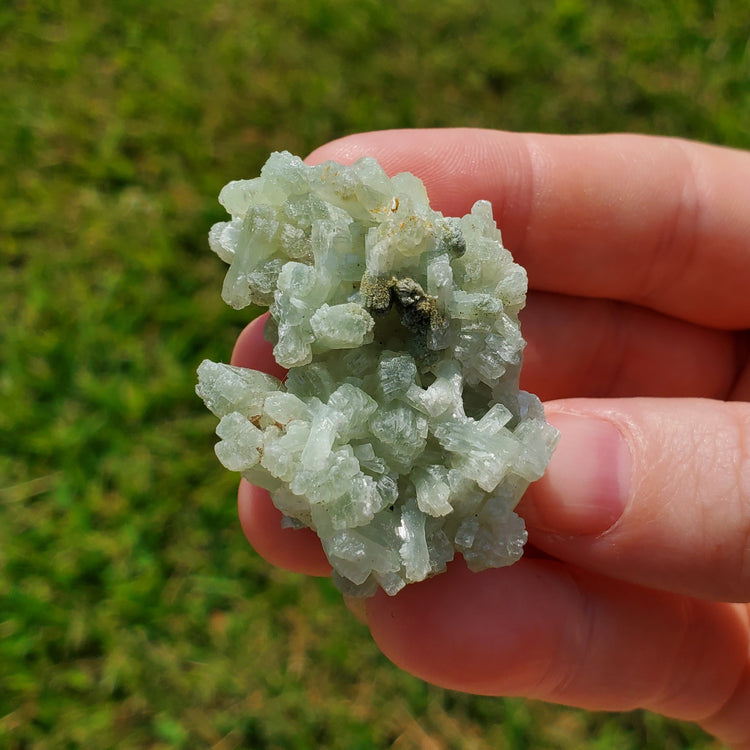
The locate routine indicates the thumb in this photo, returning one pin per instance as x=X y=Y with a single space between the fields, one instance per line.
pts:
x=650 y=491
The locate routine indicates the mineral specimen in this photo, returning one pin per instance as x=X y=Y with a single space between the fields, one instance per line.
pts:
x=400 y=434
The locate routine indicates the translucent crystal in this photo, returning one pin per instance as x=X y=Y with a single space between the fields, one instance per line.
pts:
x=433 y=490
x=400 y=434
x=240 y=442
x=344 y=326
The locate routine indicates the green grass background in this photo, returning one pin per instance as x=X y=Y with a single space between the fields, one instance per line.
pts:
x=133 y=614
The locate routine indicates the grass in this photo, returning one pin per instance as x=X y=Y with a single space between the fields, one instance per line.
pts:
x=133 y=613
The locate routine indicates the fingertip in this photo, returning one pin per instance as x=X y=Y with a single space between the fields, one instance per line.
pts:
x=254 y=351
x=458 y=166
x=649 y=491
x=489 y=633
x=375 y=143
x=296 y=550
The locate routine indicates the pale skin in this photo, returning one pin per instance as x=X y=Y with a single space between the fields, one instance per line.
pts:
x=634 y=591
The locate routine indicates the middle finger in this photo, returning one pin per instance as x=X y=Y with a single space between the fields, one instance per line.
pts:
x=593 y=347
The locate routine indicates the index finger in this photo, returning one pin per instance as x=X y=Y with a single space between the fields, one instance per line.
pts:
x=658 y=222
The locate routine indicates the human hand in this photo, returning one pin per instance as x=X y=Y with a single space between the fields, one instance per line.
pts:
x=634 y=590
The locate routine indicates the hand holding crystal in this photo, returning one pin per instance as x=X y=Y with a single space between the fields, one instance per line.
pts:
x=634 y=591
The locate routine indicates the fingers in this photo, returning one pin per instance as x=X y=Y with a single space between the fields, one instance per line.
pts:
x=544 y=630
x=651 y=491
x=590 y=347
x=297 y=550
x=252 y=350
x=655 y=221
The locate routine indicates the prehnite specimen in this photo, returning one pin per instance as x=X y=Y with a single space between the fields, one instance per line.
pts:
x=400 y=434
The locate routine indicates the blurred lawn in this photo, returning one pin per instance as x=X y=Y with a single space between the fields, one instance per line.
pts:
x=132 y=612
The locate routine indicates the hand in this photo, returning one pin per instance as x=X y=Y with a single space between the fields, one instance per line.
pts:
x=634 y=589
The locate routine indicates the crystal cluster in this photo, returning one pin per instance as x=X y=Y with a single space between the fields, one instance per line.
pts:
x=400 y=434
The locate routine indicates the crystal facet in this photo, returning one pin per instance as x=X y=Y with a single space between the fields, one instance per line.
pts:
x=400 y=434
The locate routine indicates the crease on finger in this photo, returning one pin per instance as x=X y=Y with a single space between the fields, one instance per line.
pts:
x=572 y=647
x=730 y=722
x=676 y=245
x=701 y=670
x=739 y=389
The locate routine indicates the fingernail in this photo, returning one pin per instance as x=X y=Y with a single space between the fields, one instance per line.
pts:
x=586 y=486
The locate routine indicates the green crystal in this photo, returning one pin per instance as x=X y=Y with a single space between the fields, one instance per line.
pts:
x=400 y=434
